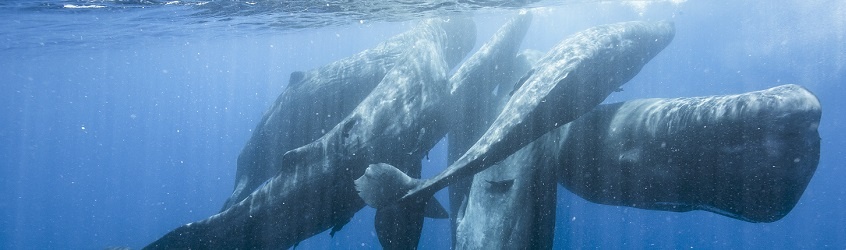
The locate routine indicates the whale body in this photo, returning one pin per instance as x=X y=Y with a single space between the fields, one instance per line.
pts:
x=746 y=156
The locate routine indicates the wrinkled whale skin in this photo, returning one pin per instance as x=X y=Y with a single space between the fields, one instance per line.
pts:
x=747 y=156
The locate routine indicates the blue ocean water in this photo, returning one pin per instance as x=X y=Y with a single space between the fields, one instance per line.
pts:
x=121 y=120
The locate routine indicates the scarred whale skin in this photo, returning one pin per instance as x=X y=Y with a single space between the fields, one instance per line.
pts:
x=317 y=100
x=314 y=191
x=747 y=156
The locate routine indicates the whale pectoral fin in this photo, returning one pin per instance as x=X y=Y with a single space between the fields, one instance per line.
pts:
x=435 y=210
x=383 y=184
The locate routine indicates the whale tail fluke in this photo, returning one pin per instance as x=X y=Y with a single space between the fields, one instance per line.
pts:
x=383 y=185
x=398 y=223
